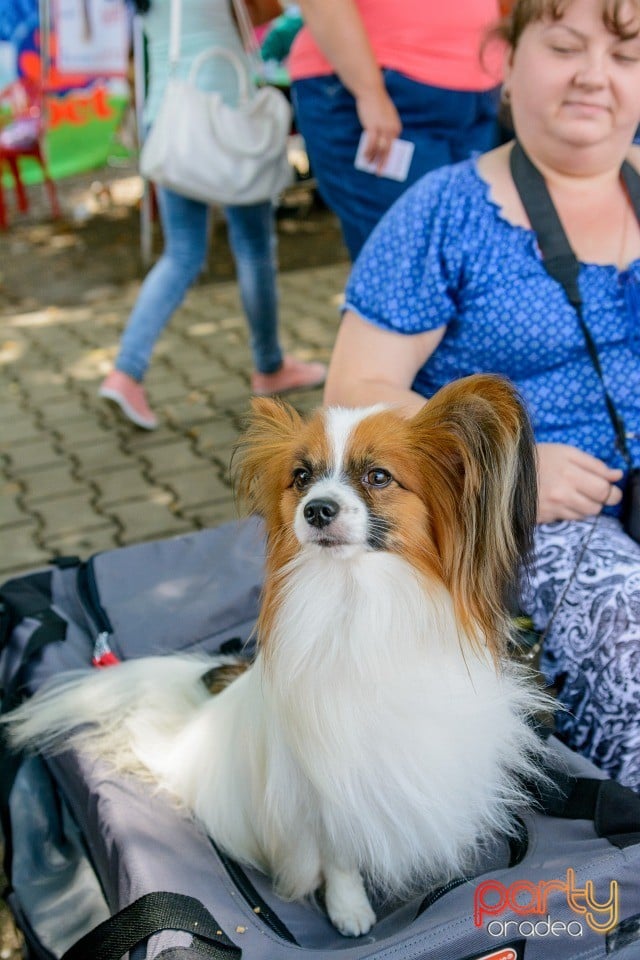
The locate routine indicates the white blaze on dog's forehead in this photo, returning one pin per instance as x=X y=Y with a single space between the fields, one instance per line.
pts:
x=341 y=422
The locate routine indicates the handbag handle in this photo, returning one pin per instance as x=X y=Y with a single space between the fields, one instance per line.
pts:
x=175 y=29
x=246 y=32
x=236 y=63
x=248 y=37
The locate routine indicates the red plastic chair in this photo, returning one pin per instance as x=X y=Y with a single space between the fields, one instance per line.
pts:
x=23 y=137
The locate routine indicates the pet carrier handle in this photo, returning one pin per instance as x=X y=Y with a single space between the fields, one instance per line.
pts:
x=153 y=913
x=613 y=808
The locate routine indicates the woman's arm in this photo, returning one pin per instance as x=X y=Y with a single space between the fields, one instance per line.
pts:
x=370 y=365
x=337 y=28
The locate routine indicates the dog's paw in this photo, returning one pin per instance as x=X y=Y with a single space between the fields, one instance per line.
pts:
x=347 y=903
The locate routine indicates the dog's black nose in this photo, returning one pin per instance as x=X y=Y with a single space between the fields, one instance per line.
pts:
x=320 y=513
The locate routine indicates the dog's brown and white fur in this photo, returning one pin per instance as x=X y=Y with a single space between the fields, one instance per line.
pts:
x=380 y=734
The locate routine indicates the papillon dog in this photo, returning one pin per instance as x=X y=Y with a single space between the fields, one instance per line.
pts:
x=381 y=735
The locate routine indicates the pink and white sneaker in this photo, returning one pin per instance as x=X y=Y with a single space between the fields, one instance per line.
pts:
x=129 y=395
x=292 y=375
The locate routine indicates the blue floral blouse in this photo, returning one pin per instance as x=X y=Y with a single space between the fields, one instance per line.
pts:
x=444 y=256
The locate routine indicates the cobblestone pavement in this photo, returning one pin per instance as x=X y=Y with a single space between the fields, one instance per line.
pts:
x=77 y=478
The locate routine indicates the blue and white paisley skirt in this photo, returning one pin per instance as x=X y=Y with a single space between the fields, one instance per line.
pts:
x=591 y=653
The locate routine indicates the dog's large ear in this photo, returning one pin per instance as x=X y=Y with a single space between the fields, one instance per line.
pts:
x=479 y=459
x=261 y=454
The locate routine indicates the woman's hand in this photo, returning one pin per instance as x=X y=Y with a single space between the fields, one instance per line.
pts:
x=381 y=122
x=573 y=484
x=338 y=29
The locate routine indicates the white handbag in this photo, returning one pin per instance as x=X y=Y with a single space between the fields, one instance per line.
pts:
x=202 y=148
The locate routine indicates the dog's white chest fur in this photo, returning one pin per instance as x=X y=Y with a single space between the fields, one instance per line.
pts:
x=377 y=721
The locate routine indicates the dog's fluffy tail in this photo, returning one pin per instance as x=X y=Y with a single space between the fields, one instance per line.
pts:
x=116 y=712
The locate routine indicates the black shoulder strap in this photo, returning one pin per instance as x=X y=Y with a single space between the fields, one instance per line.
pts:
x=631 y=179
x=151 y=914
x=559 y=259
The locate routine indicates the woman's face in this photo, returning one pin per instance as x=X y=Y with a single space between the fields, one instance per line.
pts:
x=572 y=82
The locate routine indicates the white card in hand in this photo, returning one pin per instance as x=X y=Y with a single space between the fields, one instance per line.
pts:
x=398 y=161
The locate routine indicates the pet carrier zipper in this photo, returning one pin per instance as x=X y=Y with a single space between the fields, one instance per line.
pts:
x=103 y=655
x=259 y=906
x=518 y=846
x=439 y=892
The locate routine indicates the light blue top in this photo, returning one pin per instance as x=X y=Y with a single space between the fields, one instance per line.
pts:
x=205 y=24
x=444 y=256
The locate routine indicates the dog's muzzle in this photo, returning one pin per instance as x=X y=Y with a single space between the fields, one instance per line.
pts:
x=320 y=512
x=331 y=515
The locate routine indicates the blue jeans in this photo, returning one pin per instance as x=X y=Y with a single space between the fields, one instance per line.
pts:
x=185 y=225
x=445 y=126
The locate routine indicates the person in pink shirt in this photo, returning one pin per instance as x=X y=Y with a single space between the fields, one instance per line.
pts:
x=414 y=69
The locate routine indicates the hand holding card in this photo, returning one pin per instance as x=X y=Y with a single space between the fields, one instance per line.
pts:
x=397 y=163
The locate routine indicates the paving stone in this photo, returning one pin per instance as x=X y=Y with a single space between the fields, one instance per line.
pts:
x=63 y=410
x=68 y=512
x=21 y=428
x=198 y=487
x=148 y=520
x=120 y=486
x=319 y=279
x=237 y=360
x=20 y=549
x=210 y=299
x=13 y=347
x=34 y=455
x=161 y=373
x=11 y=512
x=192 y=410
x=82 y=430
x=10 y=409
x=51 y=482
x=188 y=353
x=10 y=487
x=173 y=457
x=86 y=366
x=44 y=385
x=205 y=375
x=83 y=542
x=104 y=454
x=91 y=478
x=61 y=345
x=215 y=435
x=313 y=330
x=137 y=441
x=305 y=401
x=232 y=393
x=173 y=389
x=212 y=515
x=106 y=320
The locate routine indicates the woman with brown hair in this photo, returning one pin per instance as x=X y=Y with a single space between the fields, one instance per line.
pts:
x=453 y=282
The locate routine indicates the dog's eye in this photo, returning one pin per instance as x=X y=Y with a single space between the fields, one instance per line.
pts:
x=301 y=478
x=377 y=477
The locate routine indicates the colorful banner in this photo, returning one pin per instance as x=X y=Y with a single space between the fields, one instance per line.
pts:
x=79 y=82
